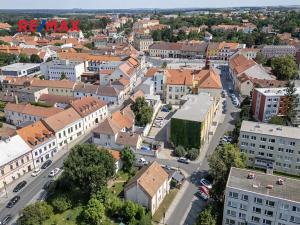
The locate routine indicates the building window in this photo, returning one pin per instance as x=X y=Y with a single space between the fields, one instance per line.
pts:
x=233 y=194
x=258 y=200
x=257 y=210
x=270 y=203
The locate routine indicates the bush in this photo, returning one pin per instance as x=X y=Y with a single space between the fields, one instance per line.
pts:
x=169 y=106
x=193 y=153
x=180 y=151
x=61 y=203
x=1 y=125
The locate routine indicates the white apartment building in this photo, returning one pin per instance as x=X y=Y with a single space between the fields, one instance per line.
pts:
x=92 y=111
x=21 y=69
x=15 y=160
x=270 y=51
x=53 y=70
x=160 y=80
x=41 y=140
x=256 y=198
x=67 y=126
x=270 y=146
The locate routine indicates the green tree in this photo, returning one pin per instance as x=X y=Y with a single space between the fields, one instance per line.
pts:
x=142 y=111
x=220 y=163
x=164 y=65
x=128 y=158
x=94 y=212
x=6 y=58
x=23 y=58
x=63 y=76
x=278 y=120
x=89 y=168
x=61 y=203
x=130 y=210
x=193 y=153
x=207 y=217
x=180 y=151
x=284 y=68
x=260 y=58
x=34 y=58
x=290 y=100
x=36 y=213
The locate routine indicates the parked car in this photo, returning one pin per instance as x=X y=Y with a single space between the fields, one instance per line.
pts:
x=204 y=189
x=206 y=183
x=183 y=160
x=48 y=184
x=36 y=172
x=143 y=161
x=6 y=219
x=230 y=90
x=145 y=148
x=202 y=195
x=20 y=186
x=159 y=118
x=13 y=201
x=165 y=109
x=54 y=172
x=46 y=164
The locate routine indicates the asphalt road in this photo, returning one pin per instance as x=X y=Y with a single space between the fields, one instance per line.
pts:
x=187 y=211
x=34 y=187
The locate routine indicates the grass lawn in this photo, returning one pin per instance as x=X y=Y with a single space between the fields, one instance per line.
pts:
x=118 y=185
x=62 y=219
x=164 y=205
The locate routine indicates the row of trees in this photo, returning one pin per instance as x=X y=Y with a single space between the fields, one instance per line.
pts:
x=23 y=58
x=191 y=153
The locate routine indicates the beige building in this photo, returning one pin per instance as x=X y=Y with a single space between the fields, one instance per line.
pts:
x=148 y=187
x=270 y=146
x=142 y=43
x=15 y=160
x=257 y=198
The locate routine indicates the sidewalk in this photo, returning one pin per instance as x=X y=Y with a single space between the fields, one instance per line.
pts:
x=176 y=200
x=29 y=178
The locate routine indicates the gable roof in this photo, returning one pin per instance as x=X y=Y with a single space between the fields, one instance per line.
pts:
x=125 y=138
x=151 y=72
x=122 y=120
x=108 y=126
x=62 y=119
x=32 y=110
x=240 y=63
x=35 y=134
x=150 y=178
x=87 y=105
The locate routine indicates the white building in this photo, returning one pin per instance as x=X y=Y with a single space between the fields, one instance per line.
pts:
x=20 y=114
x=21 y=69
x=256 y=198
x=15 y=160
x=41 y=140
x=92 y=111
x=271 y=146
x=148 y=188
x=67 y=126
x=53 y=70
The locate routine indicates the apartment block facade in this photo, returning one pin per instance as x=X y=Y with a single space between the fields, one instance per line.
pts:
x=269 y=102
x=270 y=146
x=256 y=198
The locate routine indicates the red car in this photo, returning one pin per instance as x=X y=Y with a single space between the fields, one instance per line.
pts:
x=204 y=190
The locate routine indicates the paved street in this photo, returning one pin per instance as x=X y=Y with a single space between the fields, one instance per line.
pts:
x=35 y=184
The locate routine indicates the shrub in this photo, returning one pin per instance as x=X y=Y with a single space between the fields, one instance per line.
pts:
x=193 y=153
x=180 y=151
x=61 y=203
x=1 y=125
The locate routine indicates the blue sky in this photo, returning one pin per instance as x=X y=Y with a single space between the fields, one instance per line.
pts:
x=116 y=4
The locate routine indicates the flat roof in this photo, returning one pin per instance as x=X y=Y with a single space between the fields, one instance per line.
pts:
x=238 y=179
x=270 y=129
x=195 y=108
x=12 y=149
x=280 y=91
x=19 y=66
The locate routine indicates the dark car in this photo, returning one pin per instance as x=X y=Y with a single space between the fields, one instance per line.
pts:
x=13 y=201
x=48 y=184
x=6 y=220
x=20 y=186
x=46 y=164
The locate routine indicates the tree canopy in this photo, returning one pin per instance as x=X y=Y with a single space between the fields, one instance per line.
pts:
x=207 y=217
x=89 y=168
x=277 y=120
x=128 y=158
x=94 y=212
x=284 y=68
x=220 y=163
x=36 y=213
x=142 y=111
x=63 y=76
